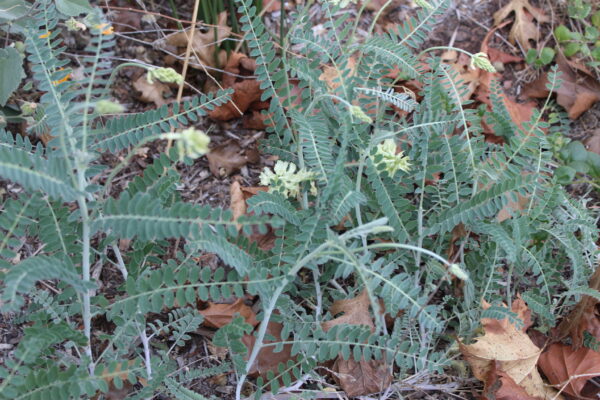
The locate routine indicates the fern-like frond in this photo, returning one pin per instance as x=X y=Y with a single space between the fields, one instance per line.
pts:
x=126 y=131
x=20 y=278
x=35 y=172
x=484 y=204
x=144 y=216
x=401 y=100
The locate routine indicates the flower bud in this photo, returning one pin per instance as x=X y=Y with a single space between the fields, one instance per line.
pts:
x=481 y=61
x=424 y=4
x=28 y=108
x=360 y=114
x=458 y=272
x=108 y=107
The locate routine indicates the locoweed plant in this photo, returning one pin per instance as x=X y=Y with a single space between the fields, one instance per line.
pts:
x=372 y=194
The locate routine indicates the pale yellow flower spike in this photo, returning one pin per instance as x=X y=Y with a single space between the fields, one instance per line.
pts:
x=285 y=179
x=390 y=158
x=481 y=61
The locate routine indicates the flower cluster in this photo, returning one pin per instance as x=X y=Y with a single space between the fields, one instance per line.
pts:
x=74 y=25
x=285 y=178
x=166 y=75
x=392 y=159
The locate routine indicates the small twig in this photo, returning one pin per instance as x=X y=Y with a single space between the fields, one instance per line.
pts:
x=146 y=344
x=120 y=264
x=188 y=51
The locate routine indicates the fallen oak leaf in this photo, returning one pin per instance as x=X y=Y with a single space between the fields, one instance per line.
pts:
x=508 y=348
x=361 y=377
x=469 y=76
x=237 y=203
x=572 y=370
x=523 y=29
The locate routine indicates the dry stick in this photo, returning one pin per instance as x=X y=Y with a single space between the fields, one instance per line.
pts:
x=188 y=50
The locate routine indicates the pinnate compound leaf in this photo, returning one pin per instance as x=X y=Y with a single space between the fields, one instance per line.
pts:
x=11 y=72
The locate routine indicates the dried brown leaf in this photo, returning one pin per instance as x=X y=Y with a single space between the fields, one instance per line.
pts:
x=226 y=158
x=267 y=360
x=584 y=317
x=203 y=43
x=361 y=377
x=331 y=75
x=505 y=347
x=577 y=94
x=246 y=91
x=218 y=315
x=355 y=312
x=237 y=203
x=523 y=29
x=593 y=141
x=573 y=369
x=500 y=386
x=151 y=92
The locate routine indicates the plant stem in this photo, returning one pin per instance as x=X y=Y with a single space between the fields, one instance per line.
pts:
x=146 y=344
x=85 y=265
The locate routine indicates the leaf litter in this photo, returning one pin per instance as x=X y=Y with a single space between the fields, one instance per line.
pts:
x=507 y=348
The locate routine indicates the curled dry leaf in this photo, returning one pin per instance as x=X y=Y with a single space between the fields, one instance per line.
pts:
x=593 y=141
x=203 y=44
x=226 y=158
x=500 y=386
x=355 y=311
x=573 y=369
x=151 y=92
x=218 y=315
x=239 y=195
x=509 y=349
x=577 y=94
x=584 y=317
x=246 y=91
x=237 y=203
x=362 y=377
x=523 y=29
